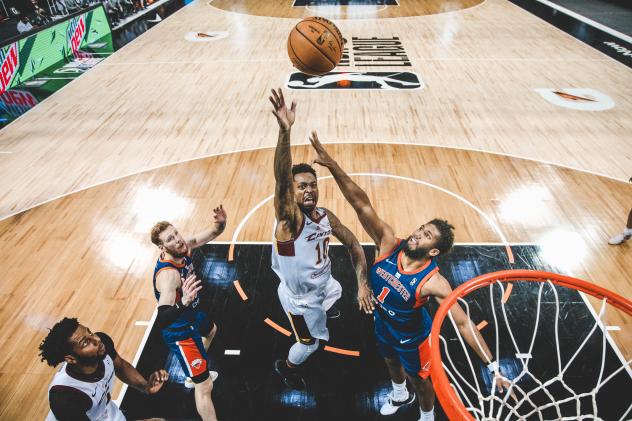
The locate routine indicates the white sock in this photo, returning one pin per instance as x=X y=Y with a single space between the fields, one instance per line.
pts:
x=627 y=231
x=427 y=416
x=400 y=393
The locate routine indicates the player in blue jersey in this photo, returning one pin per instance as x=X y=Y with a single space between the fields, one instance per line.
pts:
x=404 y=276
x=187 y=331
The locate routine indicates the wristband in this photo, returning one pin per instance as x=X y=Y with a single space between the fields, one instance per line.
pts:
x=493 y=366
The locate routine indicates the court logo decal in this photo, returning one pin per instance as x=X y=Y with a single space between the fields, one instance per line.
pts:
x=9 y=64
x=619 y=49
x=389 y=81
x=207 y=36
x=583 y=99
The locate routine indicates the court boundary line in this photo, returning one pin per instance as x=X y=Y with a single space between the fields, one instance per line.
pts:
x=587 y=21
x=584 y=44
x=258 y=148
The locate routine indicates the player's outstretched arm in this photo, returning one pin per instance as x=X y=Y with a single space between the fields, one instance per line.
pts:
x=167 y=283
x=286 y=210
x=381 y=233
x=219 y=224
x=439 y=287
x=128 y=374
x=358 y=259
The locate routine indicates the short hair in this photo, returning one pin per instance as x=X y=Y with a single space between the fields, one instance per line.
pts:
x=57 y=345
x=157 y=229
x=446 y=235
x=303 y=168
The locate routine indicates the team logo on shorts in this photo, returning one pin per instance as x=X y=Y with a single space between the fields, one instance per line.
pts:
x=582 y=99
x=197 y=363
x=390 y=81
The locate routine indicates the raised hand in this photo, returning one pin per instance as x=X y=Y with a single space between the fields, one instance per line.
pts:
x=284 y=116
x=156 y=380
x=502 y=383
x=190 y=288
x=322 y=157
x=219 y=214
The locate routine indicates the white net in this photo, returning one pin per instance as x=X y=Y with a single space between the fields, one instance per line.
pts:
x=558 y=357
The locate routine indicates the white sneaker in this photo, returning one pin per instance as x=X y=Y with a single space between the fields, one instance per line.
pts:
x=392 y=406
x=618 y=239
x=189 y=384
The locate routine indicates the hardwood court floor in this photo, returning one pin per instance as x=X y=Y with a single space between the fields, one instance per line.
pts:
x=89 y=255
x=162 y=99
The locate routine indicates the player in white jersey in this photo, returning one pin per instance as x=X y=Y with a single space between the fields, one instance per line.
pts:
x=81 y=389
x=300 y=253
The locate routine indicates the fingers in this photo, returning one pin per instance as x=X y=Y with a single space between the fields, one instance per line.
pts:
x=276 y=97
x=293 y=107
x=281 y=96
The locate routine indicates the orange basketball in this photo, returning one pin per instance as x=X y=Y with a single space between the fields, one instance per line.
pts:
x=315 y=46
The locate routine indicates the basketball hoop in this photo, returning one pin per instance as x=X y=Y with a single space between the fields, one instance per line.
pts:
x=458 y=386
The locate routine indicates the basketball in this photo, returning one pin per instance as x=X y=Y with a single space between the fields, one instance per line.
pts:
x=315 y=46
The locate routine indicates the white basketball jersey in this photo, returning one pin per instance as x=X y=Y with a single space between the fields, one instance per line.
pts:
x=303 y=263
x=103 y=408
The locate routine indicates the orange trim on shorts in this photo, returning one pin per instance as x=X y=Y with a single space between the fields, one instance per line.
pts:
x=507 y=293
x=193 y=357
x=384 y=256
x=424 y=355
x=277 y=327
x=342 y=351
x=240 y=290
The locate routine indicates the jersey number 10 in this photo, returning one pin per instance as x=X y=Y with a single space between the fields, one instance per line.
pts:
x=322 y=256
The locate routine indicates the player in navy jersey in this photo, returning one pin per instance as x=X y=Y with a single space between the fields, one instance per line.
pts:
x=187 y=331
x=403 y=277
x=82 y=387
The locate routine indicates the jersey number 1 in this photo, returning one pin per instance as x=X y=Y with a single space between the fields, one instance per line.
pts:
x=383 y=294
x=322 y=256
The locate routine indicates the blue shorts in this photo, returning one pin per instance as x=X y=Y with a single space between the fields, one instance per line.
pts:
x=412 y=352
x=186 y=344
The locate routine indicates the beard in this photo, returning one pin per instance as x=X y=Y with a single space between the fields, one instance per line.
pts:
x=90 y=361
x=416 y=254
x=177 y=254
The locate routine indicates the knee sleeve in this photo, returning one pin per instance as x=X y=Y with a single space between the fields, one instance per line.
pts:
x=299 y=352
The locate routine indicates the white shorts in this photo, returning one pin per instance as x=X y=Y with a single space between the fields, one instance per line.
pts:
x=312 y=306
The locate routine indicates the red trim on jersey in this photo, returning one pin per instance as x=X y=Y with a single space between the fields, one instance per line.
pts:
x=401 y=269
x=320 y=217
x=385 y=255
x=286 y=248
x=195 y=361
x=418 y=298
x=424 y=359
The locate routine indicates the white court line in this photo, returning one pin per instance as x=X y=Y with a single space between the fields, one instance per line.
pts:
x=397 y=177
x=141 y=323
x=5 y=152
x=587 y=21
x=121 y=395
x=232 y=352
x=608 y=337
x=257 y=148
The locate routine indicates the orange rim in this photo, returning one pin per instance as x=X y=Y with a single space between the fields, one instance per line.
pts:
x=450 y=402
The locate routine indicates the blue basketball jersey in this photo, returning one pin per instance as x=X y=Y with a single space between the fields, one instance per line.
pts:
x=398 y=293
x=185 y=269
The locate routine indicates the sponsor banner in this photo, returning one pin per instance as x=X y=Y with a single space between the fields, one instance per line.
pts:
x=388 y=81
x=206 y=36
x=583 y=99
x=81 y=36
